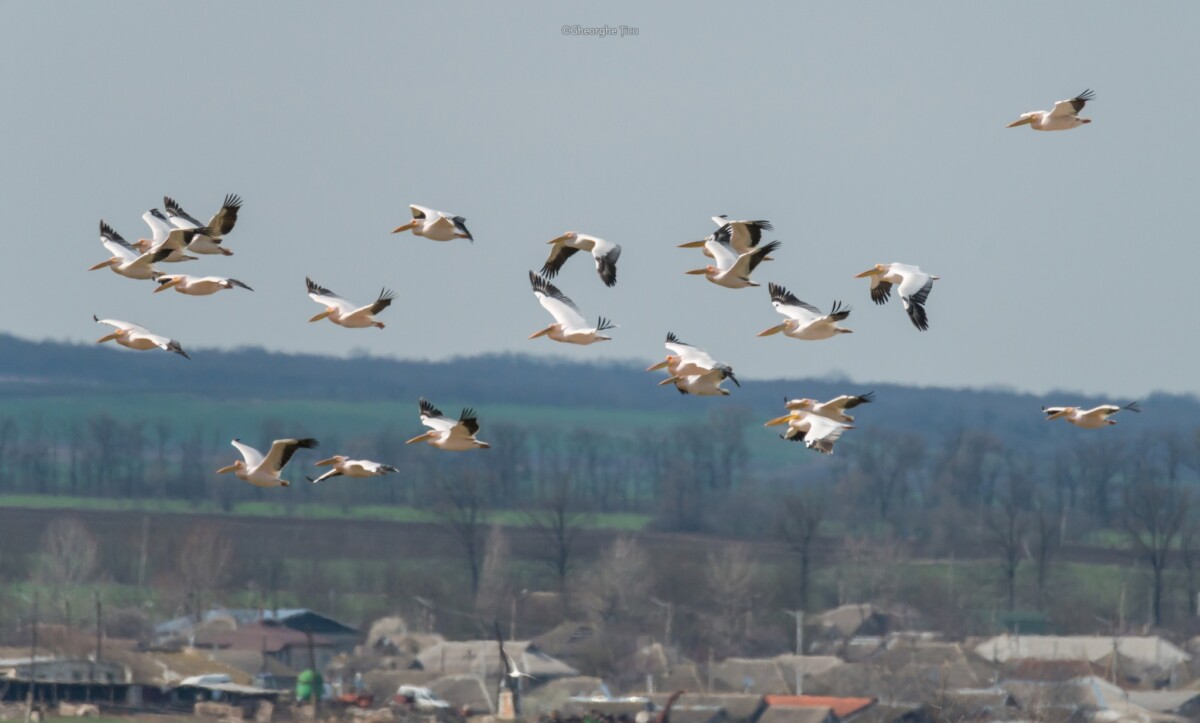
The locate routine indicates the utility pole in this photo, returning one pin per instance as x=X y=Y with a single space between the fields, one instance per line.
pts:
x=32 y=659
x=799 y=616
x=145 y=545
x=670 y=608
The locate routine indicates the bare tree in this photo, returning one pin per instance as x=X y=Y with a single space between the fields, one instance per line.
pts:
x=462 y=508
x=1047 y=539
x=204 y=564
x=800 y=518
x=558 y=520
x=69 y=553
x=494 y=580
x=1154 y=513
x=729 y=578
x=618 y=583
x=1004 y=529
x=887 y=461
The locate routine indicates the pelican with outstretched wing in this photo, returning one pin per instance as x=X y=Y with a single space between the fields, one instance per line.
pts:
x=834 y=409
x=435 y=225
x=817 y=432
x=264 y=471
x=344 y=313
x=804 y=321
x=221 y=223
x=743 y=236
x=915 y=286
x=197 y=285
x=604 y=253
x=570 y=327
x=732 y=269
x=344 y=466
x=449 y=434
x=137 y=337
x=1064 y=117
x=1093 y=418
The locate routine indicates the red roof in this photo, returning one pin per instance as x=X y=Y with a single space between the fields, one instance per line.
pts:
x=268 y=638
x=842 y=707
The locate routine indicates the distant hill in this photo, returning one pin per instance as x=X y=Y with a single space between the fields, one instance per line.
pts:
x=32 y=370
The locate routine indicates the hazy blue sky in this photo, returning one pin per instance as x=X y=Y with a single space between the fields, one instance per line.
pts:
x=867 y=132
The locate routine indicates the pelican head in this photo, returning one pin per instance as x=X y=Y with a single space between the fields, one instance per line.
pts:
x=1060 y=413
x=167 y=281
x=1023 y=120
x=410 y=225
x=110 y=337
x=662 y=364
x=874 y=271
x=785 y=326
x=543 y=332
x=801 y=403
x=779 y=420
x=706 y=271
x=693 y=244
x=335 y=459
x=322 y=315
x=568 y=236
x=102 y=264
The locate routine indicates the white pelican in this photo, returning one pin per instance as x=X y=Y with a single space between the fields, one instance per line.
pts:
x=343 y=465
x=684 y=359
x=604 y=253
x=915 y=286
x=733 y=269
x=161 y=232
x=804 y=321
x=1094 y=418
x=126 y=260
x=137 y=337
x=264 y=471
x=817 y=432
x=342 y=312
x=1065 y=115
x=707 y=384
x=220 y=224
x=446 y=433
x=197 y=285
x=834 y=409
x=436 y=225
x=743 y=235
x=570 y=326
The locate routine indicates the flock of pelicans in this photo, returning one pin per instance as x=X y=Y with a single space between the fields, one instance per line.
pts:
x=735 y=249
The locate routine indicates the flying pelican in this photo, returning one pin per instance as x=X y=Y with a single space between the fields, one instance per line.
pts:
x=342 y=312
x=220 y=224
x=1094 y=418
x=707 y=384
x=197 y=285
x=446 y=433
x=510 y=666
x=804 y=321
x=743 y=235
x=834 y=409
x=1064 y=117
x=161 y=232
x=436 y=225
x=125 y=259
x=684 y=359
x=817 y=432
x=570 y=326
x=604 y=253
x=264 y=471
x=343 y=465
x=733 y=269
x=137 y=337
x=915 y=286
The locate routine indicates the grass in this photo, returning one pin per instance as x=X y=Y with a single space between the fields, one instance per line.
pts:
x=618 y=521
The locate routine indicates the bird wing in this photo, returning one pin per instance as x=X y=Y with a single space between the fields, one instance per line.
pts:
x=460 y=225
x=753 y=258
x=467 y=425
x=564 y=311
x=282 y=450
x=250 y=455
x=1072 y=106
x=433 y=418
x=116 y=244
x=122 y=325
x=1104 y=410
x=376 y=306
x=822 y=429
x=1051 y=411
x=881 y=290
x=177 y=216
x=786 y=303
x=327 y=298
x=744 y=235
x=913 y=282
x=606 y=255
x=849 y=401
x=688 y=353
x=722 y=253
x=159 y=228
x=558 y=256
x=224 y=220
